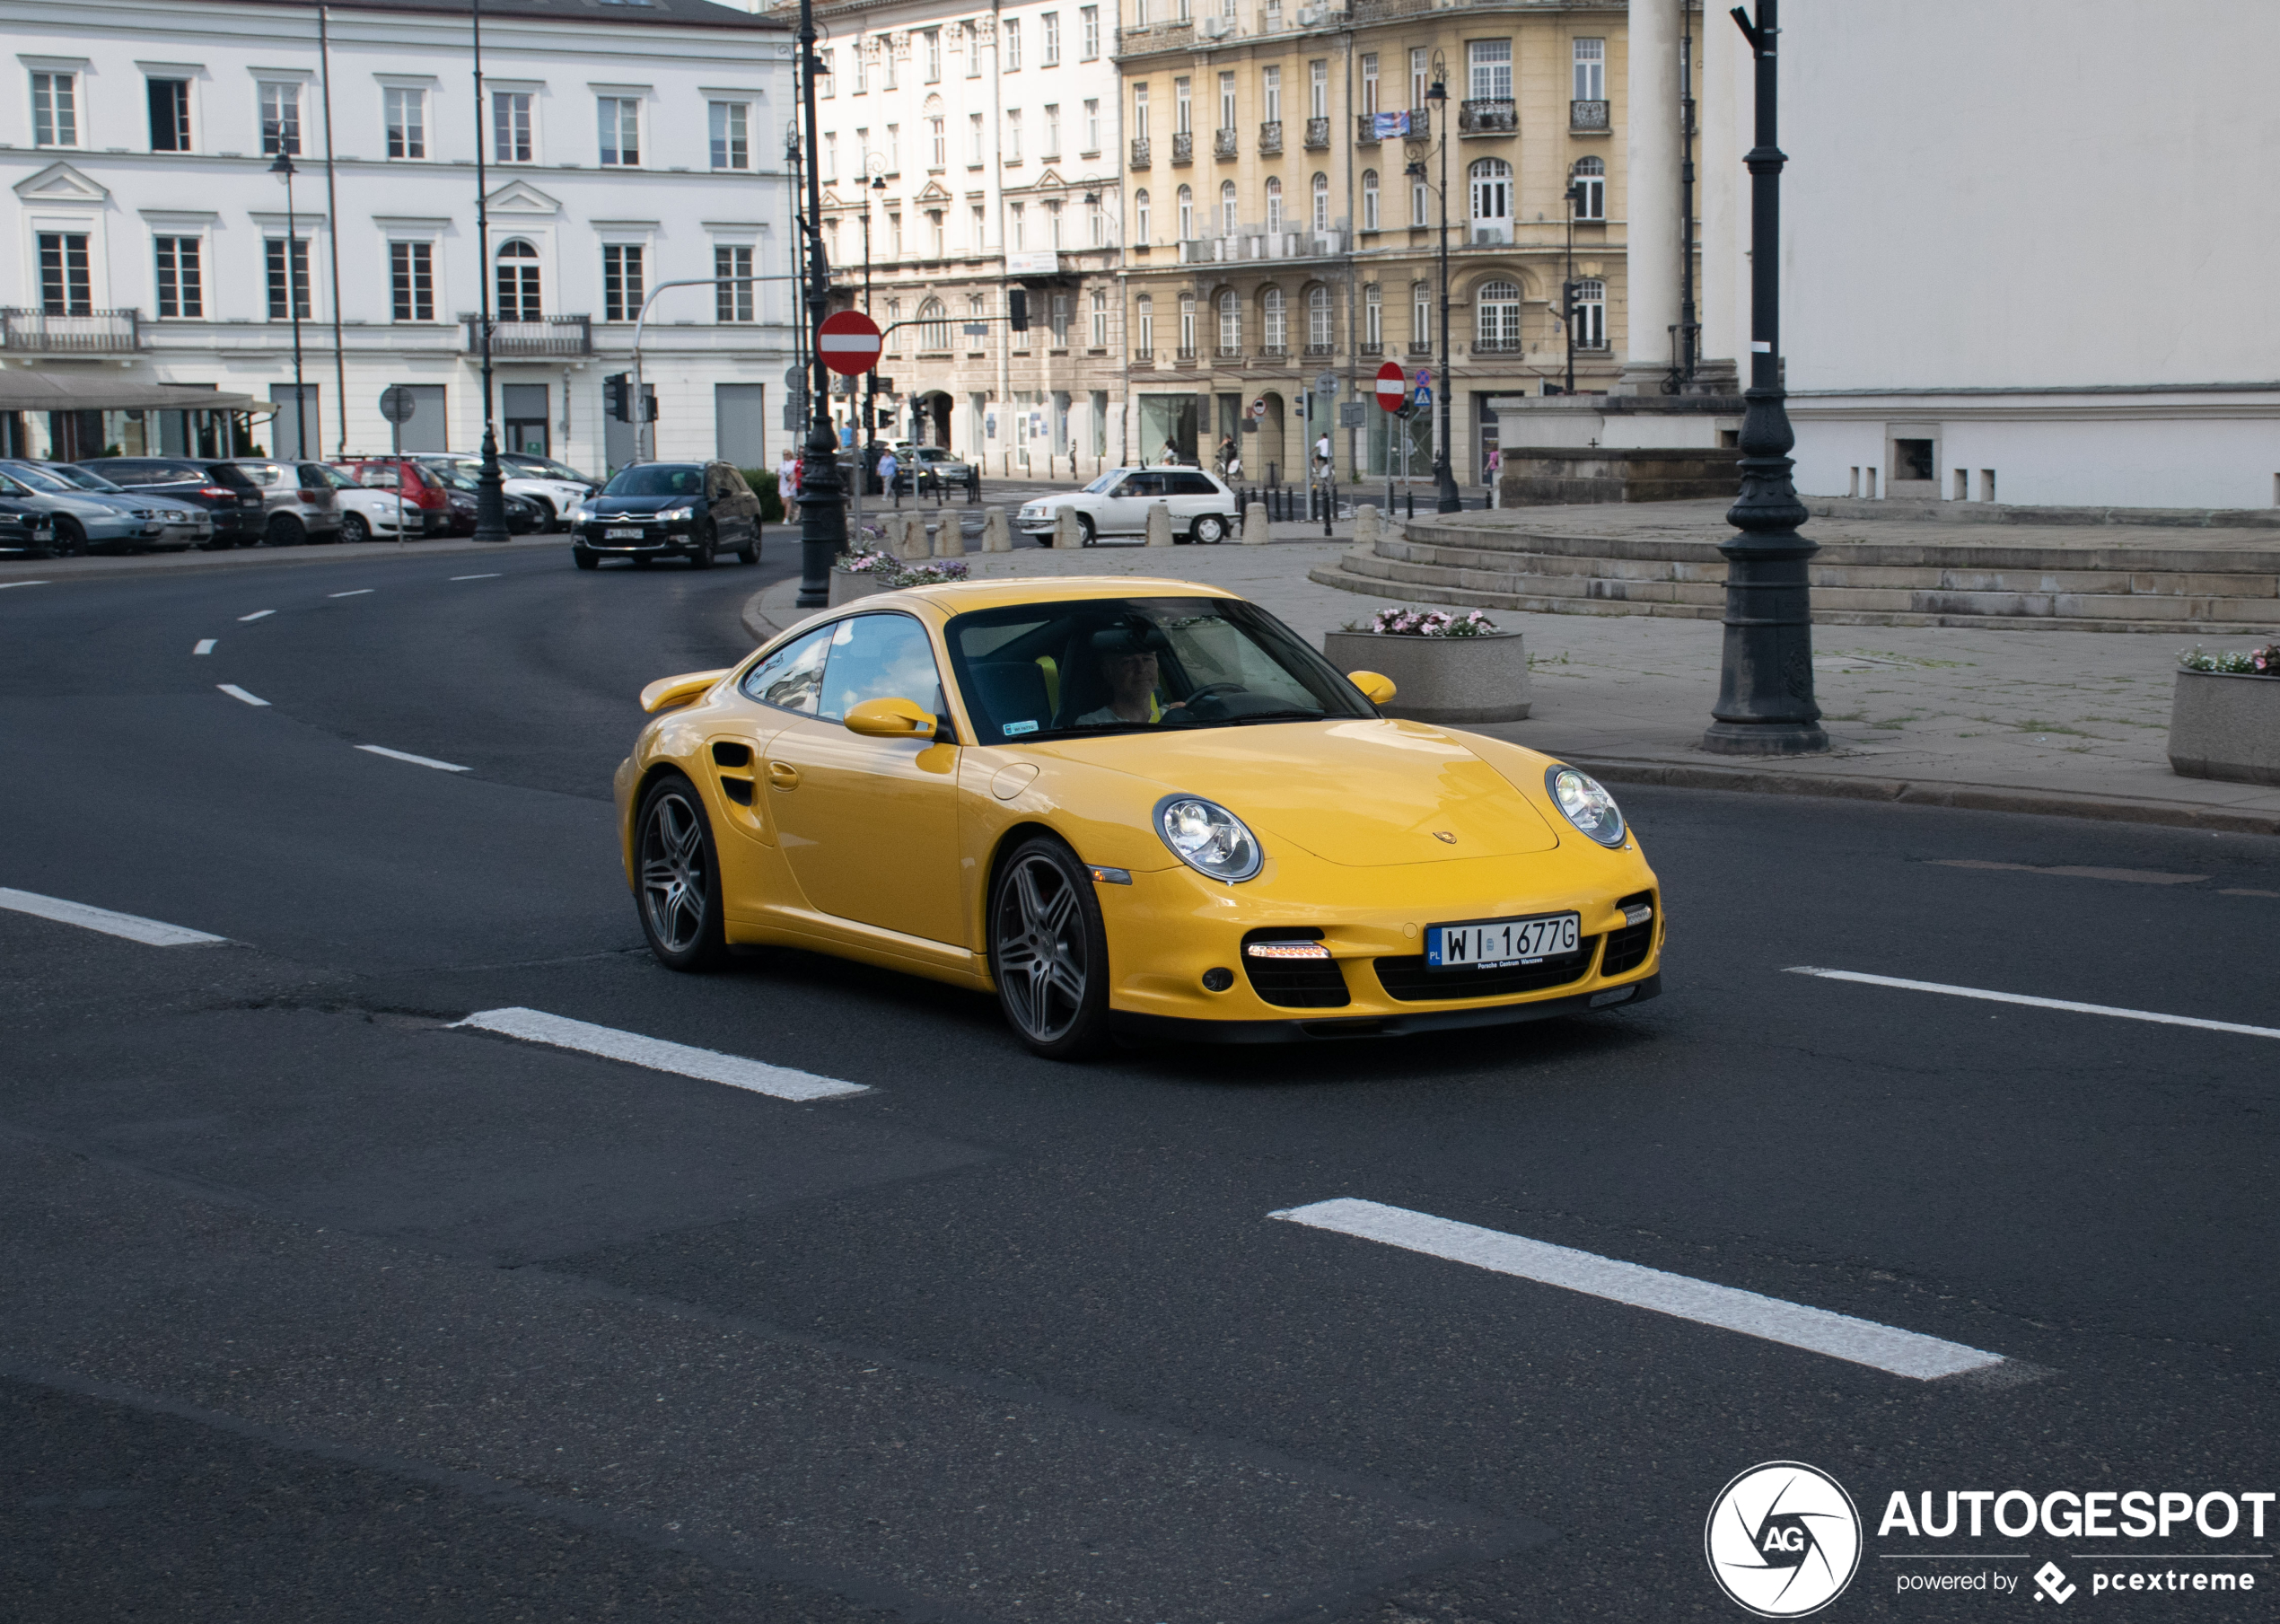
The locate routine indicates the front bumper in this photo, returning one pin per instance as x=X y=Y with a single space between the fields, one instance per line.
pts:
x=655 y=541
x=1173 y=1028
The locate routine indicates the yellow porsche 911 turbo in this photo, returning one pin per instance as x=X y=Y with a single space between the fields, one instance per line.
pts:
x=1128 y=807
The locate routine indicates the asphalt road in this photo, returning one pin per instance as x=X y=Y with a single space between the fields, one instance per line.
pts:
x=313 y=1305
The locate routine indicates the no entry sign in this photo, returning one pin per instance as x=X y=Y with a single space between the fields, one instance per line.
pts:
x=1392 y=387
x=850 y=342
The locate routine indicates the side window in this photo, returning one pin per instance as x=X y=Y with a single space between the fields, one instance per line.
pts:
x=792 y=677
x=880 y=657
x=379 y=476
x=734 y=480
x=1143 y=485
x=1192 y=484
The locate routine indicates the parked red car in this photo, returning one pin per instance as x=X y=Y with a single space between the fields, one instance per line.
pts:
x=422 y=492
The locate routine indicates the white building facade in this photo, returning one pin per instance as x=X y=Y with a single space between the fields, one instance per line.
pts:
x=626 y=145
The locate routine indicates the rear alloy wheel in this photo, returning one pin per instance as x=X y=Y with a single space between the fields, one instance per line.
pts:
x=354 y=529
x=284 y=531
x=1050 y=952
x=678 y=877
x=1209 y=529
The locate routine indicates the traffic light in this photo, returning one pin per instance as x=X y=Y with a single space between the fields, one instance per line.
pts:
x=649 y=403
x=616 y=394
x=1568 y=300
x=1017 y=308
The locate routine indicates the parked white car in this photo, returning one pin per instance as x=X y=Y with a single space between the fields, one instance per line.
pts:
x=1202 y=507
x=365 y=514
x=555 y=497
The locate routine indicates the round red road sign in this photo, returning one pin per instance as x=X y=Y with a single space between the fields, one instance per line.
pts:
x=1392 y=387
x=850 y=342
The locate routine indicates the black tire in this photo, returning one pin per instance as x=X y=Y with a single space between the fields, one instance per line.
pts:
x=677 y=888
x=547 y=517
x=583 y=556
x=1209 y=530
x=1086 y=532
x=1049 y=951
x=70 y=540
x=284 y=531
x=701 y=558
x=749 y=555
x=354 y=529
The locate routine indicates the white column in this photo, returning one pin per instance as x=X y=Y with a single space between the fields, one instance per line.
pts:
x=1651 y=180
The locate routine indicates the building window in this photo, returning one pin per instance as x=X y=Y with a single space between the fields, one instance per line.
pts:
x=977 y=143
x=827 y=81
x=518 y=281
x=894 y=149
x=1089 y=33
x=1018 y=227
x=1227 y=205
x=1589 y=178
x=1420 y=77
x=1591 y=70
x=1317 y=319
x=932 y=39
x=1100 y=318
x=1053 y=221
x=280 y=119
x=406 y=111
x=510 y=127
x=1183 y=108
x=1321 y=203
x=1013 y=135
x=894 y=236
x=1021 y=338
x=1145 y=320
x=1230 y=323
x=830 y=156
x=1370 y=83
x=937 y=143
x=1590 y=314
x=1496 y=317
x=892 y=343
x=182 y=289
x=1274 y=320
x=1421 y=316
x=1274 y=205
x=411 y=281
x=1091 y=126
x=1374 y=317
x=731 y=135
x=978 y=231
x=277 y=258
x=831 y=241
x=619 y=120
x=1139 y=112
x=1050 y=49
x=1187 y=205
x=933 y=327
x=1318 y=90
x=861 y=54
x=170 y=100
x=887 y=55
x=1052 y=149
x=1271 y=85
x=622 y=281
x=977 y=319
x=1010 y=32
x=1187 y=324
x=1492 y=201
x=733 y=291
x=1416 y=200
x=1096 y=223
x=1369 y=199
x=1227 y=101
x=973 y=53
x=55 y=110
x=1491 y=63
x=937 y=247
x=1140 y=222
x=65 y=288
x=1060 y=320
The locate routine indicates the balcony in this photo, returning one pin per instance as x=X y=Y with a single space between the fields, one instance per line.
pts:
x=1230 y=355
x=553 y=336
x=1587 y=117
x=1509 y=346
x=1491 y=116
x=1183 y=147
x=1321 y=352
x=100 y=332
x=1318 y=133
x=1185 y=355
x=1421 y=346
x=1270 y=138
x=1370 y=351
x=1365 y=129
x=1225 y=142
x=1139 y=152
x=1143 y=357
x=1274 y=354
x=1177 y=35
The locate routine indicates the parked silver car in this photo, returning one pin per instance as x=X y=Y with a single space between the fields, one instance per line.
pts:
x=92 y=514
x=297 y=510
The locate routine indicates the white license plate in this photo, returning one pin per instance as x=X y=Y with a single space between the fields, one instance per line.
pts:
x=1495 y=944
x=621 y=535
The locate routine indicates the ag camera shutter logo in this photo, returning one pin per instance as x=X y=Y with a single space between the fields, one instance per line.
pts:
x=1783 y=1539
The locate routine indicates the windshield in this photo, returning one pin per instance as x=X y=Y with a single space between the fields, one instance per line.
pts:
x=547 y=468
x=1106 y=482
x=40 y=478
x=659 y=480
x=85 y=478
x=1039 y=671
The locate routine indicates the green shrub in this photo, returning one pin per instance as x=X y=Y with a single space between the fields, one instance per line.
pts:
x=763 y=483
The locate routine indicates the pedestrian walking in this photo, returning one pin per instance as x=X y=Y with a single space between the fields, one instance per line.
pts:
x=887 y=467
x=788 y=482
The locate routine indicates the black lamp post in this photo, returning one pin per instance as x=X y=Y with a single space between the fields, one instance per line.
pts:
x=1765 y=678
x=490 y=489
x=294 y=279
x=871 y=376
x=1445 y=478
x=1567 y=286
x=823 y=521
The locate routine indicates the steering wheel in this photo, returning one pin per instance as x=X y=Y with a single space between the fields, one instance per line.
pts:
x=1197 y=704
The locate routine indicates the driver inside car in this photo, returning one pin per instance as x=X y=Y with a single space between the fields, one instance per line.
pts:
x=1129 y=667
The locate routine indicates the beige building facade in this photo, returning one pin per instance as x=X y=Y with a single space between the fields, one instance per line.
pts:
x=1274 y=233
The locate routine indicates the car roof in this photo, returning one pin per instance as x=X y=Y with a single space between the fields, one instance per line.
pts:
x=962 y=597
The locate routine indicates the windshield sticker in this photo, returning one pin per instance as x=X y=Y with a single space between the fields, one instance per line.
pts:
x=1011 y=728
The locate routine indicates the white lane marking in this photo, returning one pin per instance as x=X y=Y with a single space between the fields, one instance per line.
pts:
x=400 y=755
x=235 y=693
x=536 y=1026
x=492 y=576
x=359 y=592
x=133 y=927
x=205 y=646
x=1903 y=1353
x=258 y=614
x=5 y=585
x=2066 y=1003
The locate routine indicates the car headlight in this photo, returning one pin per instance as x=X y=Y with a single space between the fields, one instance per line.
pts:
x=678 y=515
x=581 y=514
x=1584 y=801
x=1208 y=838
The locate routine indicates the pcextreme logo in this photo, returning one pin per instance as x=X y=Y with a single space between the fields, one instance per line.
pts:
x=1783 y=1539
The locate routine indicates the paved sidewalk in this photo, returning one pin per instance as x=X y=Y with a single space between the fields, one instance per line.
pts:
x=2072 y=723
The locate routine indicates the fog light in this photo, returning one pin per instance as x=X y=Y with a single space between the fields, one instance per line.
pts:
x=1218 y=980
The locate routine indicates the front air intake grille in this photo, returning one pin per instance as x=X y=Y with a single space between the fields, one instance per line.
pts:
x=1627 y=949
x=1294 y=983
x=1407 y=978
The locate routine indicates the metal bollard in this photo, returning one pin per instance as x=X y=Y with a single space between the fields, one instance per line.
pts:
x=1413 y=504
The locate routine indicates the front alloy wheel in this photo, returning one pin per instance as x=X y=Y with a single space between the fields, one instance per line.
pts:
x=1210 y=529
x=1048 y=953
x=678 y=877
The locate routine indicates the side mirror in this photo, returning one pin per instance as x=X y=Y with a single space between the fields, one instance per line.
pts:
x=1377 y=690
x=667 y=692
x=890 y=719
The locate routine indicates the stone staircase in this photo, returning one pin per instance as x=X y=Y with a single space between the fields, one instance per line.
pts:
x=2193 y=581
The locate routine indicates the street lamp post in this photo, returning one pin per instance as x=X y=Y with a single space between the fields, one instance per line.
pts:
x=823 y=521
x=283 y=167
x=1445 y=477
x=1567 y=286
x=1766 y=677
x=490 y=488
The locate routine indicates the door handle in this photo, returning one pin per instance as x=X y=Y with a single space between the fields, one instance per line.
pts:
x=783 y=774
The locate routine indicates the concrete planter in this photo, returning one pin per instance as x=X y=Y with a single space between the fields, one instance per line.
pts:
x=1441 y=679
x=2224 y=726
x=848 y=586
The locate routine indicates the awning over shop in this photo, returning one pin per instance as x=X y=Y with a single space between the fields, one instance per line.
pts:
x=35 y=392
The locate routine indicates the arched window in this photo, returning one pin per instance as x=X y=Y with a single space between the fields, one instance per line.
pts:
x=1591 y=315
x=1317 y=320
x=1275 y=336
x=1321 y=203
x=977 y=318
x=1143 y=319
x=1274 y=204
x=1492 y=201
x=1497 y=319
x=1140 y=213
x=1588 y=179
x=1373 y=319
x=933 y=325
x=1369 y=199
x=1186 y=213
x=1227 y=208
x=1231 y=324
x=518 y=281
